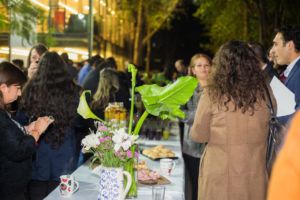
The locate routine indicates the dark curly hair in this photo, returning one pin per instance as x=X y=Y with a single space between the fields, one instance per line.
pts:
x=52 y=92
x=236 y=77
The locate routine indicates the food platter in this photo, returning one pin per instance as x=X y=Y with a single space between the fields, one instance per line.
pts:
x=158 y=158
x=161 y=181
x=158 y=152
x=148 y=176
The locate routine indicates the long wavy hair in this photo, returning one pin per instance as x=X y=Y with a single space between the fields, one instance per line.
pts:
x=108 y=85
x=52 y=92
x=236 y=77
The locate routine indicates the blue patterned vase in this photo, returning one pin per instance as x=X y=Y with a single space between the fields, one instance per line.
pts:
x=112 y=183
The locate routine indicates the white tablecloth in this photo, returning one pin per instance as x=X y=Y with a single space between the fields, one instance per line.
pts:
x=88 y=183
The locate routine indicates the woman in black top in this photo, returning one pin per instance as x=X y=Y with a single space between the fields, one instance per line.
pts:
x=17 y=143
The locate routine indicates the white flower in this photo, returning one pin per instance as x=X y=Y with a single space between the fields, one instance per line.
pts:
x=90 y=141
x=123 y=139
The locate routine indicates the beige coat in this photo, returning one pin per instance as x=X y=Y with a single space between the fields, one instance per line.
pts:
x=233 y=163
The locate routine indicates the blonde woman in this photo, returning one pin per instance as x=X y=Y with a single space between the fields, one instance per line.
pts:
x=109 y=90
x=200 y=66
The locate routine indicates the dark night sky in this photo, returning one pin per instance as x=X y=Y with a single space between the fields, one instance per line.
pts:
x=182 y=41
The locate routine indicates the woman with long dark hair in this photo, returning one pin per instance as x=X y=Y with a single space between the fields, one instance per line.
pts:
x=52 y=92
x=17 y=142
x=232 y=117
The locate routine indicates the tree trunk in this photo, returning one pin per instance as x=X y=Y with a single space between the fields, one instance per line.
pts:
x=148 y=52
x=138 y=34
x=245 y=28
x=263 y=22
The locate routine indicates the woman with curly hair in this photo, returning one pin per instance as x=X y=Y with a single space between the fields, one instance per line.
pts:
x=52 y=92
x=232 y=117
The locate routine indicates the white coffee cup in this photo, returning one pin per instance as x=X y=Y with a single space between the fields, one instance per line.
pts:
x=167 y=165
x=68 y=185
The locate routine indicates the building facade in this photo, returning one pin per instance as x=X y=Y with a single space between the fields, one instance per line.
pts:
x=81 y=28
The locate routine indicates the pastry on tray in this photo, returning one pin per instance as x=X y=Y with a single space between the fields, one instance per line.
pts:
x=158 y=152
x=148 y=177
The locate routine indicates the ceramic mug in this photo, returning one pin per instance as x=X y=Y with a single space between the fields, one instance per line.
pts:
x=167 y=165
x=68 y=185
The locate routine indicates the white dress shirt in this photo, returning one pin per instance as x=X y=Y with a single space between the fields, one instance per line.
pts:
x=290 y=67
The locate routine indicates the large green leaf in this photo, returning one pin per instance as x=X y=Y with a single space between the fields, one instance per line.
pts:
x=84 y=109
x=165 y=101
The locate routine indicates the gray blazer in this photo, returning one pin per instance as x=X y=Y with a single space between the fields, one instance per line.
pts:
x=189 y=146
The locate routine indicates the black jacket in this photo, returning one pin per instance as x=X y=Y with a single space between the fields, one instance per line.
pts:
x=16 y=150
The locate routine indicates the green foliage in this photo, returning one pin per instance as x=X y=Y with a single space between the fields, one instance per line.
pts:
x=226 y=20
x=159 y=79
x=249 y=20
x=165 y=102
x=22 y=17
x=159 y=12
x=48 y=38
x=133 y=70
x=84 y=109
x=150 y=17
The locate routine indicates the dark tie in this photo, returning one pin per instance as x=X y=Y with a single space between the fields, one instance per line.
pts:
x=282 y=77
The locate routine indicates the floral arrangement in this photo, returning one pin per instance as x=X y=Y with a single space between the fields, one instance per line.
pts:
x=115 y=147
x=111 y=148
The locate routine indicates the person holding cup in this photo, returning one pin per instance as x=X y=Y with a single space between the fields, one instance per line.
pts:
x=34 y=56
x=17 y=143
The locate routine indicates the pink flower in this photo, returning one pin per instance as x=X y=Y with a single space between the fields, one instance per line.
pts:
x=117 y=153
x=102 y=128
x=104 y=139
x=136 y=154
x=129 y=154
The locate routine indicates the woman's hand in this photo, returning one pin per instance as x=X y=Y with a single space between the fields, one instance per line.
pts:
x=42 y=123
x=33 y=67
x=30 y=127
x=38 y=127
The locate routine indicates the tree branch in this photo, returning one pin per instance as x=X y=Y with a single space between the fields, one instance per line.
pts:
x=166 y=16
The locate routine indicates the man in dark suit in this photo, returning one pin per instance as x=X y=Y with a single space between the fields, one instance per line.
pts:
x=286 y=50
